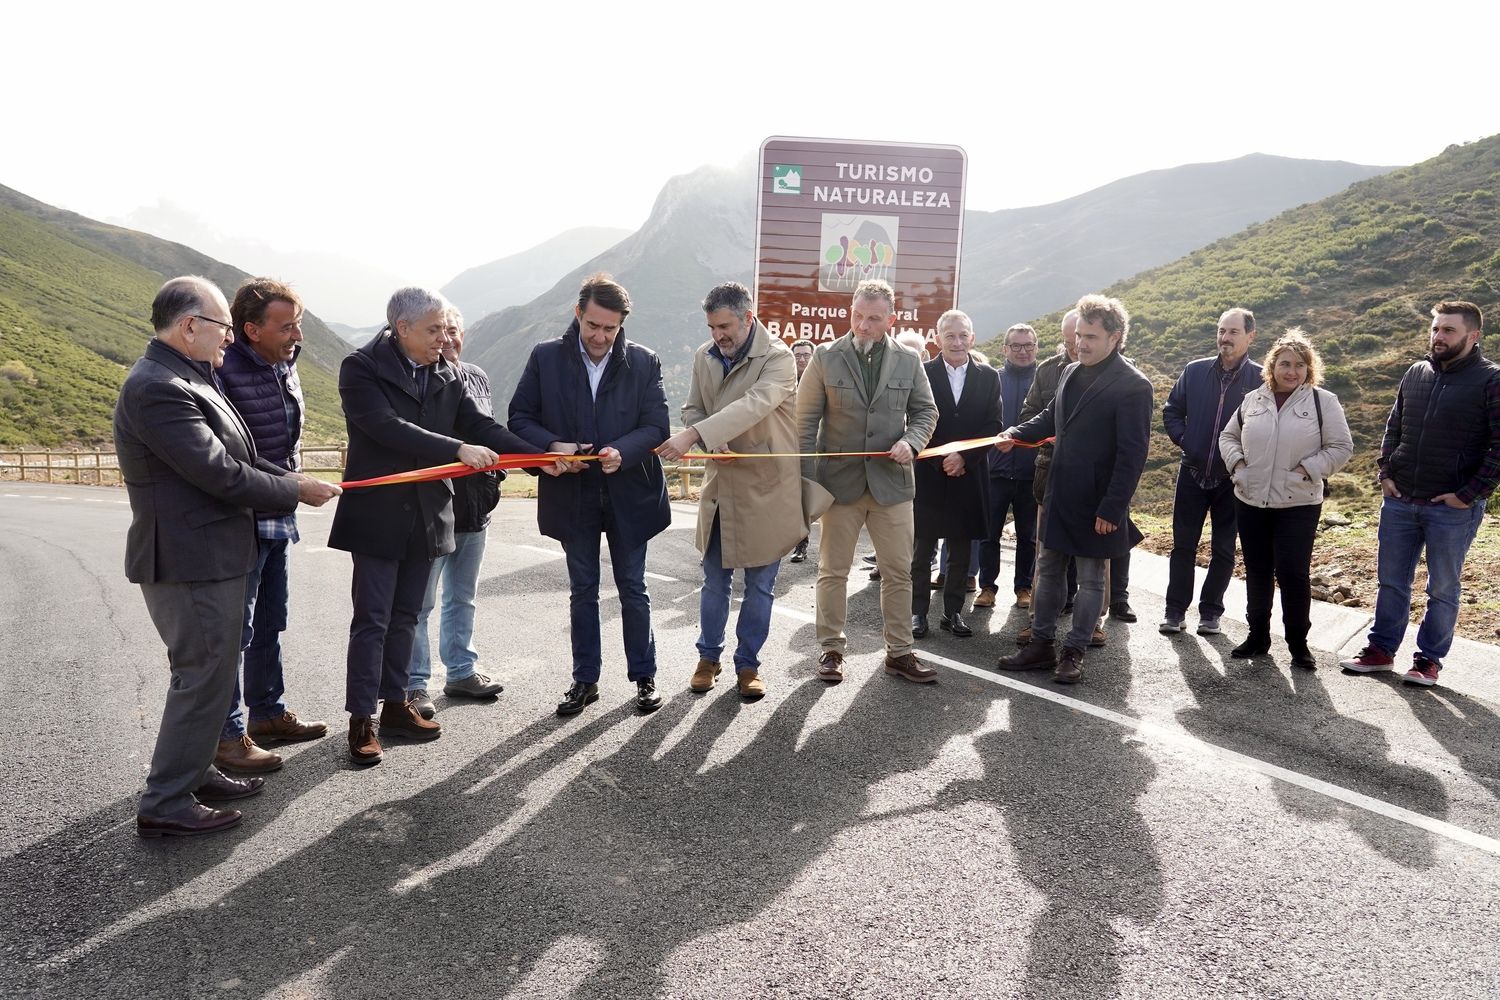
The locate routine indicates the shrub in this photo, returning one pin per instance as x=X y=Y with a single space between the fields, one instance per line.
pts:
x=1465 y=243
x=17 y=371
x=1364 y=343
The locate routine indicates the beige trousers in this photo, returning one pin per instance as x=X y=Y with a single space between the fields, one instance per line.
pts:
x=891 y=529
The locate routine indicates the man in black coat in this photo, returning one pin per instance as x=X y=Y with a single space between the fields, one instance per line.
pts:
x=592 y=390
x=1101 y=422
x=195 y=482
x=952 y=500
x=405 y=408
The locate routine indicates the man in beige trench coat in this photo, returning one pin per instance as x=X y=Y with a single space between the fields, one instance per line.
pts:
x=750 y=513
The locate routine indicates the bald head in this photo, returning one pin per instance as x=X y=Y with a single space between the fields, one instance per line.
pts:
x=191 y=315
x=1070 y=334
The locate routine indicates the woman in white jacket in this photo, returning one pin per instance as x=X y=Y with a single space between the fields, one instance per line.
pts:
x=1286 y=439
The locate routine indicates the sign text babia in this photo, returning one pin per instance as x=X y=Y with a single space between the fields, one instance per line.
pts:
x=866 y=186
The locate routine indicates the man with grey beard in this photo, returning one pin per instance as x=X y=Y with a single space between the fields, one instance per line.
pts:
x=865 y=392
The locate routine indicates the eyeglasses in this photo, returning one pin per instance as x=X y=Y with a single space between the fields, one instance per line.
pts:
x=206 y=319
x=1020 y=347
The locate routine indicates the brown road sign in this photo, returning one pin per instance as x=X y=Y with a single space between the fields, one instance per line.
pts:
x=835 y=212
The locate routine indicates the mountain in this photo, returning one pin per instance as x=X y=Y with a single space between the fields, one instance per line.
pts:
x=700 y=232
x=1020 y=262
x=335 y=284
x=523 y=276
x=75 y=302
x=1358 y=271
x=1016 y=263
x=355 y=336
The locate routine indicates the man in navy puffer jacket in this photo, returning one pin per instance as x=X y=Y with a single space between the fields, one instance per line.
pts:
x=260 y=378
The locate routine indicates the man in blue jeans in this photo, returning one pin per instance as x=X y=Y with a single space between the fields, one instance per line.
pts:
x=1012 y=476
x=259 y=376
x=1439 y=461
x=473 y=498
x=742 y=398
x=592 y=391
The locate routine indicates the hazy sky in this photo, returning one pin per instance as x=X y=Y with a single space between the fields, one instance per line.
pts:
x=424 y=138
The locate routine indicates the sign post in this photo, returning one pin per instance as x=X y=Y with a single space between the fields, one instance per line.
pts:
x=834 y=212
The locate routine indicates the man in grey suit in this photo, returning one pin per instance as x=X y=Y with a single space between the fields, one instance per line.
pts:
x=195 y=482
x=865 y=392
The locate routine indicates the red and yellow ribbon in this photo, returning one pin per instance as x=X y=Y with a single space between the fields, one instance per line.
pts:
x=455 y=470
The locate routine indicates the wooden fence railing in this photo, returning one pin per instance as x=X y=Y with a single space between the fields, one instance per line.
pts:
x=98 y=467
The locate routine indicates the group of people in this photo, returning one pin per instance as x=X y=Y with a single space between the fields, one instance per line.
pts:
x=208 y=428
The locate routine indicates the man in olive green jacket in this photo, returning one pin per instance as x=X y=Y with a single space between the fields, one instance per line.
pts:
x=864 y=392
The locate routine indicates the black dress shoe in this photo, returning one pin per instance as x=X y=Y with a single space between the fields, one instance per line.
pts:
x=919 y=626
x=955 y=623
x=647 y=698
x=220 y=787
x=1122 y=612
x=1302 y=657
x=579 y=695
x=193 y=821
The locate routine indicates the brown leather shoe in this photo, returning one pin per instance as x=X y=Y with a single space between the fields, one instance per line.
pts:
x=1098 y=638
x=287 y=729
x=752 y=688
x=401 y=718
x=703 y=677
x=1024 y=636
x=364 y=748
x=1023 y=597
x=831 y=666
x=1038 y=654
x=196 y=819
x=907 y=665
x=220 y=787
x=1069 y=666
x=243 y=755
x=971 y=584
x=986 y=598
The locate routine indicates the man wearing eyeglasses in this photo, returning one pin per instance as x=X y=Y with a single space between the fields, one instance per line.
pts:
x=195 y=481
x=1012 y=477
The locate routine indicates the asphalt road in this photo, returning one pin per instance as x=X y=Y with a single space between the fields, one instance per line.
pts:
x=1180 y=825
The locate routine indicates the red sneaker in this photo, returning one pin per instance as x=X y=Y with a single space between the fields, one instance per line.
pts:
x=1423 y=671
x=1371 y=660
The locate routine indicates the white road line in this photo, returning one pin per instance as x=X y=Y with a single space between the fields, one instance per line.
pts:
x=657 y=576
x=551 y=553
x=1164 y=735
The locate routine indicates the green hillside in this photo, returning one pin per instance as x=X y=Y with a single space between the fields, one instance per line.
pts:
x=73 y=318
x=1358 y=271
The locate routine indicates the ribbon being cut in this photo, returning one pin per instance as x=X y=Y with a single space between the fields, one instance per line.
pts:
x=454 y=470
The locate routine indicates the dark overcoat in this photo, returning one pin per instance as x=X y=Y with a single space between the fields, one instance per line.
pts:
x=392 y=429
x=191 y=472
x=958 y=506
x=552 y=403
x=1097 y=459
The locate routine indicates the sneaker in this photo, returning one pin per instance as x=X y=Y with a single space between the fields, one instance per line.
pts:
x=1423 y=672
x=1209 y=626
x=1170 y=625
x=422 y=702
x=1371 y=660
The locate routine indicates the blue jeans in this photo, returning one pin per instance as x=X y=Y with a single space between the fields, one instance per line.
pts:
x=1013 y=497
x=459 y=573
x=754 y=622
x=1406 y=528
x=266 y=599
x=595 y=518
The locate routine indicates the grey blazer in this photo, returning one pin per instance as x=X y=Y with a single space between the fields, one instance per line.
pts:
x=835 y=414
x=191 y=472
